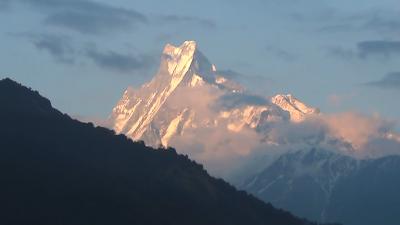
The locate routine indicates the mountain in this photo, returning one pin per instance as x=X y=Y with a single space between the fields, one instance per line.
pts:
x=297 y=109
x=175 y=101
x=278 y=148
x=333 y=186
x=56 y=170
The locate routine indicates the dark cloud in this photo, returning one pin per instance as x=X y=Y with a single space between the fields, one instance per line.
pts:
x=390 y=81
x=4 y=4
x=188 y=19
x=378 y=48
x=341 y=52
x=91 y=17
x=86 y=16
x=234 y=100
x=58 y=46
x=119 y=62
x=377 y=21
x=280 y=53
x=259 y=84
x=63 y=50
x=367 y=49
x=382 y=24
x=337 y=28
x=230 y=74
x=238 y=76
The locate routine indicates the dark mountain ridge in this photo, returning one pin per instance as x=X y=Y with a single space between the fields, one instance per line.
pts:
x=56 y=170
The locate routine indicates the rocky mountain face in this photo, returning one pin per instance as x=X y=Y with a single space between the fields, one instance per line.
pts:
x=176 y=98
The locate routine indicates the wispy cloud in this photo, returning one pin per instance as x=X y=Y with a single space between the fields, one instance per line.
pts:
x=58 y=46
x=384 y=22
x=4 y=4
x=177 y=19
x=377 y=21
x=85 y=16
x=119 y=62
x=64 y=50
x=234 y=100
x=341 y=52
x=259 y=84
x=367 y=49
x=91 y=17
x=390 y=81
x=378 y=48
x=280 y=53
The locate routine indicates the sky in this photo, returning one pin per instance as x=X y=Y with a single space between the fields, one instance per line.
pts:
x=82 y=54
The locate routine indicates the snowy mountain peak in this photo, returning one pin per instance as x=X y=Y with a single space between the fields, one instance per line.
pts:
x=196 y=69
x=169 y=105
x=187 y=47
x=179 y=58
x=297 y=109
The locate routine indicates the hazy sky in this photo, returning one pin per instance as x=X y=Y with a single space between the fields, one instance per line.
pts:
x=336 y=55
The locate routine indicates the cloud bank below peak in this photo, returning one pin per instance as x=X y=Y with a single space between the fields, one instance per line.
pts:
x=227 y=152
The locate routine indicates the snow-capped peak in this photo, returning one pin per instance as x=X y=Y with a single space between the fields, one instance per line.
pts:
x=178 y=57
x=297 y=109
x=188 y=47
x=160 y=109
x=199 y=68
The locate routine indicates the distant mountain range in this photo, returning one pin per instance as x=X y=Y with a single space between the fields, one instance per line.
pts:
x=56 y=170
x=274 y=147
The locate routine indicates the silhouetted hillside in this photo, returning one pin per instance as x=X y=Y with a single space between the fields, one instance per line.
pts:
x=56 y=170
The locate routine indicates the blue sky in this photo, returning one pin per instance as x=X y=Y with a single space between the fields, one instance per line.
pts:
x=335 y=55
